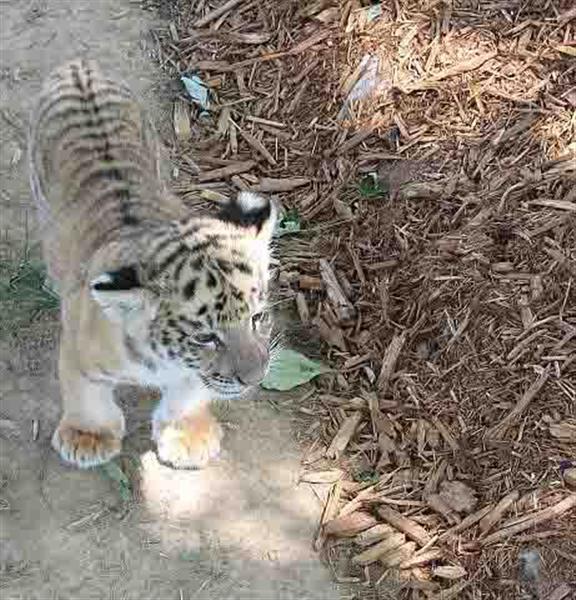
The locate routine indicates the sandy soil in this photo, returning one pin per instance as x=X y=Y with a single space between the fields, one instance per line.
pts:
x=240 y=529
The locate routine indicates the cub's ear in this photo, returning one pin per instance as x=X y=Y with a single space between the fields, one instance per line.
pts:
x=253 y=212
x=119 y=293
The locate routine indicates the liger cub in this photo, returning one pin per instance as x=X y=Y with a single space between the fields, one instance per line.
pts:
x=150 y=294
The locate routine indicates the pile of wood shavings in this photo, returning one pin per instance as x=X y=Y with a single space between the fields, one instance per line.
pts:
x=437 y=264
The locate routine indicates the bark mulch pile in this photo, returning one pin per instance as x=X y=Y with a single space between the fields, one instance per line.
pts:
x=426 y=152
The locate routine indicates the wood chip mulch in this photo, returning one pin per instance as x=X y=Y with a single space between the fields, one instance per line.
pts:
x=429 y=151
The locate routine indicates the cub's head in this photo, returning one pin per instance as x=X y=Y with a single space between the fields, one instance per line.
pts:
x=198 y=301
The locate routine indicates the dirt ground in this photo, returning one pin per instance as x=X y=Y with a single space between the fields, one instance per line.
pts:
x=240 y=529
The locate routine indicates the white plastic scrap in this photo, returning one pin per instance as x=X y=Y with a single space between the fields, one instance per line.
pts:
x=373 y=12
x=197 y=90
x=367 y=83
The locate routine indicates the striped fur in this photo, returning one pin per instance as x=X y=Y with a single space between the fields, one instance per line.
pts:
x=150 y=295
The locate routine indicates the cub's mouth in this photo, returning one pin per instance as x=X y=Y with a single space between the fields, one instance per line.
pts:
x=225 y=387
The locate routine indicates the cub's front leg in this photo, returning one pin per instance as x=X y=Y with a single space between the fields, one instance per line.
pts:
x=185 y=431
x=92 y=426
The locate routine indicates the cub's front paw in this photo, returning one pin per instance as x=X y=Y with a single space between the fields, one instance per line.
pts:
x=189 y=442
x=84 y=448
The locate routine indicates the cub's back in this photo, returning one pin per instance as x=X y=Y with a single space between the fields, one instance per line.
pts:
x=93 y=165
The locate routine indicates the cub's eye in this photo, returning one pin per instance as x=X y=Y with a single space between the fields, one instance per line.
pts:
x=208 y=339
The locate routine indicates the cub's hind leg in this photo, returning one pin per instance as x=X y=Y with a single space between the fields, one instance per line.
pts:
x=92 y=427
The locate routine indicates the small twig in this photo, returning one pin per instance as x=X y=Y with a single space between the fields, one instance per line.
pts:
x=499 y=430
x=234 y=169
x=488 y=522
x=217 y=12
x=551 y=512
x=258 y=146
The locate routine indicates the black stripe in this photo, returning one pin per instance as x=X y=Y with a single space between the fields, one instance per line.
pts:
x=193 y=324
x=234 y=213
x=182 y=249
x=190 y=289
x=200 y=246
x=86 y=130
x=95 y=117
x=243 y=268
x=179 y=267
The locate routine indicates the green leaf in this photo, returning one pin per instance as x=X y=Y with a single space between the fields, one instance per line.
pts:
x=190 y=555
x=112 y=471
x=288 y=223
x=291 y=369
x=371 y=187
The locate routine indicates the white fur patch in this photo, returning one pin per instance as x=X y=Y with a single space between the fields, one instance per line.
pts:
x=248 y=201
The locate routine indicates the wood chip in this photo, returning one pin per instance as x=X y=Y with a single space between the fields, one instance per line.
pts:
x=569 y=477
x=563 y=592
x=463 y=67
x=344 y=435
x=181 y=118
x=258 y=146
x=330 y=476
x=449 y=572
x=559 y=204
x=422 y=558
x=217 y=12
x=333 y=336
x=373 y=553
x=565 y=432
x=458 y=496
x=445 y=433
x=268 y=184
x=357 y=138
x=412 y=530
x=233 y=169
x=452 y=592
x=315 y=38
x=488 y=522
x=555 y=511
x=467 y=522
x=389 y=361
x=344 y=308
x=499 y=430
x=438 y=505
x=307 y=282
x=396 y=556
x=350 y=525
x=373 y=535
x=329 y=512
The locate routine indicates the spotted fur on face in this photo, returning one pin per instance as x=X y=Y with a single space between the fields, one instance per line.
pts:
x=202 y=293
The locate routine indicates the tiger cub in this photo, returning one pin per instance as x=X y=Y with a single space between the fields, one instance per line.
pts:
x=149 y=294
